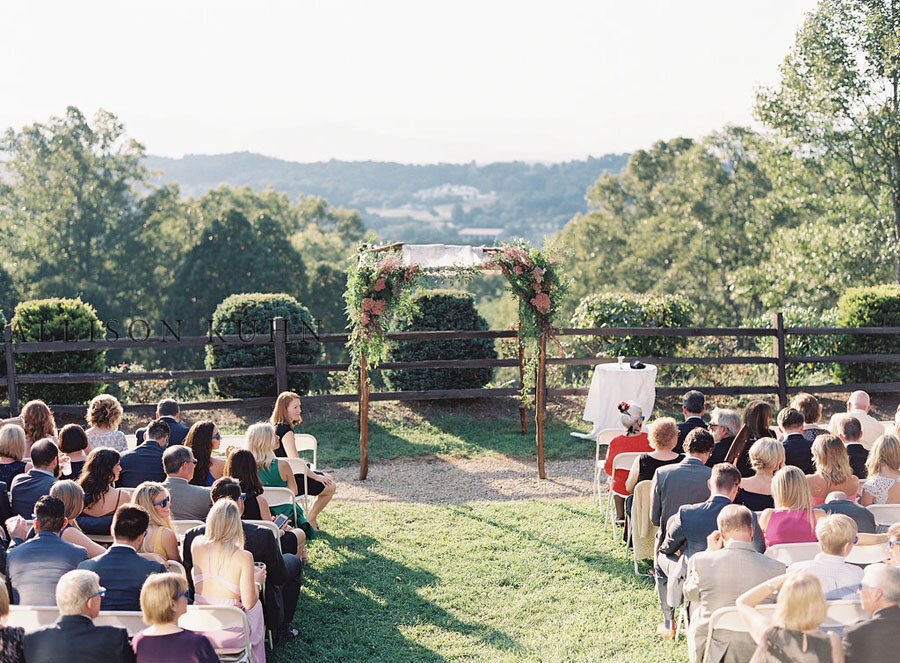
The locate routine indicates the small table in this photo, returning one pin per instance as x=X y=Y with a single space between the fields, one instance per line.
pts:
x=612 y=384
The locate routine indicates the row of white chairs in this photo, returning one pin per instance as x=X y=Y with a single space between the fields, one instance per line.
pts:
x=201 y=618
x=788 y=553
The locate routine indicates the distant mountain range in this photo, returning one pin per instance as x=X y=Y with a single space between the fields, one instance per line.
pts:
x=413 y=203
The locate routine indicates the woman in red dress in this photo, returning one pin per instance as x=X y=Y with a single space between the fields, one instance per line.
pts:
x=634 y=440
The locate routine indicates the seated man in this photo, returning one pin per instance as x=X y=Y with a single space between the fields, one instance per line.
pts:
x=169 y=413
x=189 y=502
x=858 y=407
x=728 y=567
x=145 y=462
x=122 y=571
x=838 y=502
x=724 y=425
x=74 y=638
x=34 y=567
x=836 y=535
x=693 y=405
x=283 y=571
x=878 y=638
x=27 y=488
x=850 y=431
x=797 y=449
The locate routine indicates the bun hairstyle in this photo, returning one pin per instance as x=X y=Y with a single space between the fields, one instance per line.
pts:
x=632 y=416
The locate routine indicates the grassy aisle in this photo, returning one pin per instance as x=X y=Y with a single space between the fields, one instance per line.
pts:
x=515 y=581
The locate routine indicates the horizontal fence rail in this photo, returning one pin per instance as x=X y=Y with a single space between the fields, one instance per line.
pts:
x=280 y=339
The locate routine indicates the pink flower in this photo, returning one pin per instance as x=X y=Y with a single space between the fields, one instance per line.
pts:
x=379 y=285
x=368 y=304
x=538 y=274
x=518 y=269
x=378 y=308
x=364 y=319
x=411 y=272
x=537 y=288
x=515 y=254
x=541 y=302
x=388 y=264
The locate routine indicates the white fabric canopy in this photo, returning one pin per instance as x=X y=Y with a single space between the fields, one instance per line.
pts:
x=436 y=256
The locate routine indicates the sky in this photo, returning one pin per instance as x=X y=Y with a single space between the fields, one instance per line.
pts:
x=415 y=82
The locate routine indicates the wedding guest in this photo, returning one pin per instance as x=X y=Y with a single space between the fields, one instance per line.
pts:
x=633 y=440
x=275 y=472
x=188 y=502
x=37 y=420
x=73 y=442
x=838 y=502
x=145 y=461
x=103 y=416
x=883 y=468
x=797 y=449
x=766 y=458
x=72 y=497
x=724 y=425
x=161 y=538
x=12 y=451
x=757 y=419
x=12 y=638
x=27 y=488
x=833 y=471
x=202 y=439
x=850 y=432
x=693 y=406
x=879 y=594
x=836 y=535
x=101 y=470
x=792 y=519
x=858 y=406
x=168 y=412
x=809 y=407
x=662 y=439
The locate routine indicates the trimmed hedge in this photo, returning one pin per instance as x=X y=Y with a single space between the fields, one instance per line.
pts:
x=253 y=313
x=874 y=306
x=58 y=319
x=441 y=310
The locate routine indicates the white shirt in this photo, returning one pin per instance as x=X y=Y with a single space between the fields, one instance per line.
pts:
x=871 y=427
x=839 y=579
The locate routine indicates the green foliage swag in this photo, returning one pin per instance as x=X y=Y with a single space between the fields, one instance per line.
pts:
x=436 y=310
x=249 y=315
x=58 y=320
x=877 y=306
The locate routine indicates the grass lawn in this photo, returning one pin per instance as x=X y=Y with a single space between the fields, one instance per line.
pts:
x=513 y=581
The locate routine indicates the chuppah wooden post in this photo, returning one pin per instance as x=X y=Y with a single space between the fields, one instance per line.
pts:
x=523 y=411
x=363 y=395
x=540 y=396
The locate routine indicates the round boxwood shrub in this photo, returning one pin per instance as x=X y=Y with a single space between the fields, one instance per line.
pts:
x=440 y=310
x=873 y=306
x=250 y=314
x=58 y=320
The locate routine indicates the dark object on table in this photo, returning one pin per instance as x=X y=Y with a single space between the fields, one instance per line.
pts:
x=637 y=364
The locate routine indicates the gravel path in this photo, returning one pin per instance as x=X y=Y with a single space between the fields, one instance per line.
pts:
x=448 y=480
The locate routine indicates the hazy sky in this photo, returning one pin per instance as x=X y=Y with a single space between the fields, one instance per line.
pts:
x=419 y=81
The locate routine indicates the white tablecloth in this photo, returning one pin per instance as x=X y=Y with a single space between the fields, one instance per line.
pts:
x=612 y=385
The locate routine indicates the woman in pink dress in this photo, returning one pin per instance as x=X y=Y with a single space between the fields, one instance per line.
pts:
x=792 y=520
x=633 y=441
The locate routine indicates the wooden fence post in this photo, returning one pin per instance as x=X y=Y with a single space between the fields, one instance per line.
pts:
x=540 y=396
x=779 y=354
x=363 y=395
x=523 y=410
x=281 y=374
x=10 y=372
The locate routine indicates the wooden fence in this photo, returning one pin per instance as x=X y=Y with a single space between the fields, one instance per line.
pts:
x=280 y=339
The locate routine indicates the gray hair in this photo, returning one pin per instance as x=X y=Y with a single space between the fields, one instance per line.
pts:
x=886 y=578
x=728 y=418
x=175 y=457
x=74 y=589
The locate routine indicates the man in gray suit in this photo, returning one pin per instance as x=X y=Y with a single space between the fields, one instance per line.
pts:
x=189 y=502
x=728 y=567
x=27 y=488
x=674 y=486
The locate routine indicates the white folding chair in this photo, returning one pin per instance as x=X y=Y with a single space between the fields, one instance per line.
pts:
x=182 y=527
x=298 y=466
x=864 y=555
x=133 y=622
x=788 y=553
x=32 y=617
x=844 y=613
x=102 y=539
x=603 y=438
x=215 y=618
x=885 y=514
x=279 y=496
x=177 y=567
x=267 y=524
x=622 y=461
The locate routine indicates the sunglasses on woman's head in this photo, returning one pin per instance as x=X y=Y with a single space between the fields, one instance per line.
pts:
x=163 y=503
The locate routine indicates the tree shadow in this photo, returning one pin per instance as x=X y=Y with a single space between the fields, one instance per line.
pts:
x=361 y=605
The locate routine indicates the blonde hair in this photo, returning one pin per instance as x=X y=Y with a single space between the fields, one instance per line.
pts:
x=894 y=532
x=158 y=593
x=831 y=459
x=223 y=524
x=885 y=453
x=144 y=496
x=37 y=421
x=104 y=410
x=72 y=495
x=663 y=434
x=800 y=605
x=791 y=491
x=834 y=532
x=279 y=412
x=767 y=455
x=4 y=600
x=12 y=441
x=261 y=442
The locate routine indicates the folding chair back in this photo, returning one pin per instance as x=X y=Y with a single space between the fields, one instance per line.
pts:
x=133 y=622
x=183 y=526
x=278 y=496
x=298 y=468
x=788 y=553
x=307 y=442
x=203 y=618
x=863 y=555
x=603 y=438
x=32 y=617
x=885 y=514
x=267 y=524
x=624 y=461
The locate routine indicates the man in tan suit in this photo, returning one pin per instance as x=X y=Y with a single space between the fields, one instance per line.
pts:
x=716 y=577
x=858 y=407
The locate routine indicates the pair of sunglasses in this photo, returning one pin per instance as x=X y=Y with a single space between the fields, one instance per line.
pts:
x=162 y=503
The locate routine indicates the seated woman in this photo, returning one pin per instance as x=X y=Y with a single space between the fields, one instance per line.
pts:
x=224 y=574
x=12 y=451
x=793 y=632
x=792 y=520
x=883 y=469
x=809 y=406
x=100 y=471
x=12 y=638
x=72 y=496
x=164 y=599
x=203 y=438
x=73 y=441
x=103 y=415
x=634 y=440
x=161 y=539
x=241 y=466
x=274 y=472
x=38 y=422
x=766 y=458
x=833 y=470
x=662 y=439
x=285 y=416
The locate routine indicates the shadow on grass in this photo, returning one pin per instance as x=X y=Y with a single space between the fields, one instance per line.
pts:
x=361 y=605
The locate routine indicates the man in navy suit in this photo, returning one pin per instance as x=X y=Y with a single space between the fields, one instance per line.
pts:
x=27 y=488
x=74 y=638
x=167 y=410
x=693 y=405
x=122 y=571
x=145 y=463
x=850 y=431
x=34 y=567
x=797 y=449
